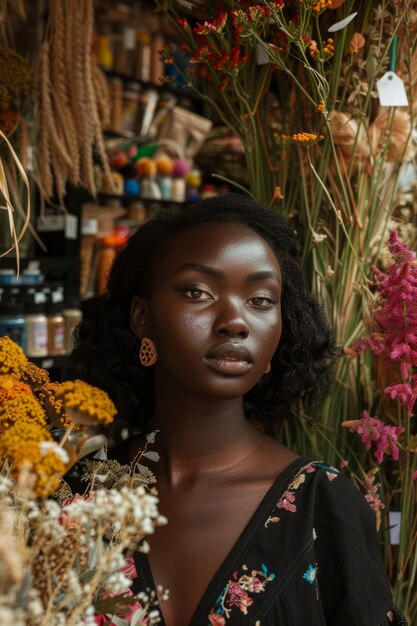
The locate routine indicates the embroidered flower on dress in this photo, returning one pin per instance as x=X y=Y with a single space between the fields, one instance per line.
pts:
x=310 y=574
x=236 y=593
x=286 y=502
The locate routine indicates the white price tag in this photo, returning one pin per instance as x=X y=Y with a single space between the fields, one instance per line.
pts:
x=129 y=38
x=71 y=224
x=50 y=223
x=391 y=91
x=261 y=55
x=394 y=521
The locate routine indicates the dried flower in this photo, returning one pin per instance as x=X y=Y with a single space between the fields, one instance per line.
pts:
x=35 y=376
x=28 y=445
x=396 y=315
x=17 y=389
x=303 y=139
x=53 y=406
x=23 y=408
x=16 y=79
x=356 y=43
x=13 y=360
x=90 y=403
x=374 y=431
x=372 y=496
x=321 y=5
x=216 y=26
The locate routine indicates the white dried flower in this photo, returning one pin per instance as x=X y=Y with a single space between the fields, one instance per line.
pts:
x=52 y=446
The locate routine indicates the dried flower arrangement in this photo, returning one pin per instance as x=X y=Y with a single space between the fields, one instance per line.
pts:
x=297 y=84
x=17 y=86
x=73 y=100
x=64 y=557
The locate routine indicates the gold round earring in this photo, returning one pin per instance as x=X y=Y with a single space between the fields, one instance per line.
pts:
x=147 y=354
x=268 y=369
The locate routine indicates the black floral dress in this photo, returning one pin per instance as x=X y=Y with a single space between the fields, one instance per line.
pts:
x=308 y=557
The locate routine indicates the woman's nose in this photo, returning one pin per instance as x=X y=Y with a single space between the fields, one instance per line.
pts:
x=230 y=321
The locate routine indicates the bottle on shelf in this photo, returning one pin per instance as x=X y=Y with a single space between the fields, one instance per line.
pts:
x=179 y=172
x=36 y=325
x=56 y=323
x=13 y=322
x=143 y=56
x=72 y=315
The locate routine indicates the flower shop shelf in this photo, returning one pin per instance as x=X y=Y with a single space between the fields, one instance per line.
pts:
x=177 y=90
x=147 y=202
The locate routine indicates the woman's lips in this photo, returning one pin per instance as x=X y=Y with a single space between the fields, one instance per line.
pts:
x=228 y=366
x=229 y=358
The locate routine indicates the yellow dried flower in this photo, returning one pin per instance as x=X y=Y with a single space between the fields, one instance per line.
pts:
x=13 y=360
x=23 y=408
x=28 y=445
x=85 y=402
x=53 y=406
x=16 y=437
x=35 y=376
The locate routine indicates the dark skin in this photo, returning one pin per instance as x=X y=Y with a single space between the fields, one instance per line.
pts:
x=217 y=289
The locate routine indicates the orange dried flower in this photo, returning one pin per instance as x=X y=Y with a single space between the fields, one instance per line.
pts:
x=321 y=5
x=356 y=43
x=18 y=389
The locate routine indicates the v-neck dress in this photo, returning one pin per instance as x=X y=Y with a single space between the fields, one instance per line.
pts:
x=309 y=556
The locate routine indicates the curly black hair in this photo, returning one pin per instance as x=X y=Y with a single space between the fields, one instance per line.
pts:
x=106 y=351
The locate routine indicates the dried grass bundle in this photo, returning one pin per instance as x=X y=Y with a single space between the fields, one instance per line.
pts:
x=74 y=100
x=8 y=205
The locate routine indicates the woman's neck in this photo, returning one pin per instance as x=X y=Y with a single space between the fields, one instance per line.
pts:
x=201 y=436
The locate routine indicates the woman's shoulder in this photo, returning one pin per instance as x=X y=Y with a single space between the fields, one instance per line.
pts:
x=326 y=488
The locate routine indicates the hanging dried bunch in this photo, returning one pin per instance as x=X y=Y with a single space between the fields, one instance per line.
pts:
x=73 y=100
x=390 y=132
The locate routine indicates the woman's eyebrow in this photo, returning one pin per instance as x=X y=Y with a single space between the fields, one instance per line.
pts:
x=263 y=275
x=198 y=267
x=213 y=271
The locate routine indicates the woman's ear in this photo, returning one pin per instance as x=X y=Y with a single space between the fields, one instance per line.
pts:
x=139 y=317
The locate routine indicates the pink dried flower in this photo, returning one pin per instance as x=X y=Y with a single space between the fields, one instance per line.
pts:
x=373 y=430
x=216 y=26
x=372 y=495
x=343 y=463
x=396 y=316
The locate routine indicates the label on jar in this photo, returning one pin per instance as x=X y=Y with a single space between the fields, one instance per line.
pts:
x=59 y=338
x=40 y=337
x=37 y=338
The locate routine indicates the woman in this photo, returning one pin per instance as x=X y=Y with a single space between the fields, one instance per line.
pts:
x=207 y=327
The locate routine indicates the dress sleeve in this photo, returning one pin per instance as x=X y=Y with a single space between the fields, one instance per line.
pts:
x=353 y=583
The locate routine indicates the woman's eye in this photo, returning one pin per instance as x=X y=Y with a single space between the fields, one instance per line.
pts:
x=196 y=294
x=263 y=302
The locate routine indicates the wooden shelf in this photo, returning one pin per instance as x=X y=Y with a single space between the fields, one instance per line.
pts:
x=52 y=361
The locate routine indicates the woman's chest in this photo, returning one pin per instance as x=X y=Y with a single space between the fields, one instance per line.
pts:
x=203 y=528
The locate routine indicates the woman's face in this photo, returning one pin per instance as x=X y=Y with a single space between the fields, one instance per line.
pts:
x=214 y=313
